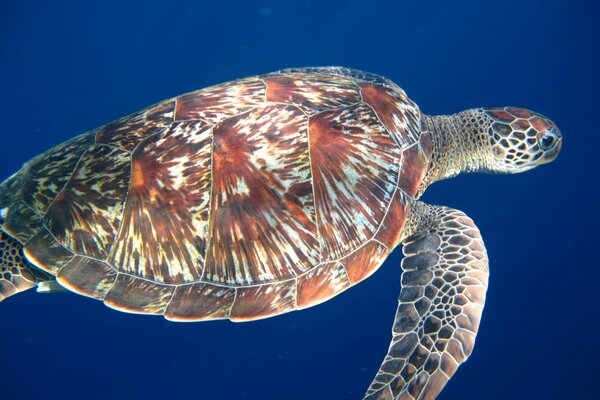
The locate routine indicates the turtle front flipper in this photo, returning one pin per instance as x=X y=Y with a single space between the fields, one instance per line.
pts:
x=444 y=280
x=16 y=275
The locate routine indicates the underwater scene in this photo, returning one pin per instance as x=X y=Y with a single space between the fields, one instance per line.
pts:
x=262 y=200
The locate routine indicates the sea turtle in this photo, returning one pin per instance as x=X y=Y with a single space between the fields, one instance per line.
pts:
x=270 y=194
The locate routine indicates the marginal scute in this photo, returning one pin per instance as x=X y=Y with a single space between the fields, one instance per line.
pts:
x=365 y=261
x=129 y=131
x=139 y=296
x=414 y=167
x=87 y=276
x=256 y=302
x=321 y=284
x=426 y=144
x=46 y=253
x=13 y=286
x=200 y=302
x=391 y=226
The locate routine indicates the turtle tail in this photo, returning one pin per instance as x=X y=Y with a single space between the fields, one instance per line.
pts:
x=16 y=274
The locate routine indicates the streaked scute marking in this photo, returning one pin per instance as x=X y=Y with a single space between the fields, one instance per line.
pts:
x=361 y=76
x=140 y=296
x=85 y=215
x=216 y=103
x=312 y=92
x=163 y=231
x=47 y=173
x=200 y=301
x=43 y=251
x=262 y=213
x=87 y=276
x=396 y=111
x=130 y=130
x=264 y=301
x=355 y=171
x=21 y=222
x=321 y=284
x=240 y=232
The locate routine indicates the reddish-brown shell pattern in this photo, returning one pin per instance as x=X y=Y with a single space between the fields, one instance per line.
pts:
x=241 y=201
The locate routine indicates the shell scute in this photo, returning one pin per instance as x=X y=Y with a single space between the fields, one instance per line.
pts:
x=129 y=131
x=363 y=262
x=162 y=235
x=355 y=74
x=46 y=253
x=46 y=174
x=216 y=103
x=256 y=302
x=87 y=276
x=391 y=226
x=321 y=284
x=355 y=166
x=22 y=222
x=396 y=111
x=138 y=296
x=85 y=215
x=263 y=224
x=200 y=302
x=414 y=167
x=313 y=93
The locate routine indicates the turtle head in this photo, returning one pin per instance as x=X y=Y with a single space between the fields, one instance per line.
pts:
x=520 y=140
x=504 y=140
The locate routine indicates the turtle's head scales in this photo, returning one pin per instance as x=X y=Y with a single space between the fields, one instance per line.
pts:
x=521 y=139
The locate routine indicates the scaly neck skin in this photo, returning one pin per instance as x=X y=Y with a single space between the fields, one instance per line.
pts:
x=460 y=144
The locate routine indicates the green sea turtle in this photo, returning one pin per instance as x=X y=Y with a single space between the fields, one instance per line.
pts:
x=271 y=194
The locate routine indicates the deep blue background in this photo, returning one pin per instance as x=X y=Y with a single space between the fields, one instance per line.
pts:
x=66 y=67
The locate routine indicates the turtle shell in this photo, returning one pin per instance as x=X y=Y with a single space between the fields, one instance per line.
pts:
x=243 y=200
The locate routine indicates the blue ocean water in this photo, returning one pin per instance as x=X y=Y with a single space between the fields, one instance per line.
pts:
x=69 y=66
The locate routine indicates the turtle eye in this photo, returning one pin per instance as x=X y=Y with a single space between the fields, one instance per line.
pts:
x=548 y=140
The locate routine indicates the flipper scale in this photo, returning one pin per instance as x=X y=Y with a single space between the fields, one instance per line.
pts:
x=444 y=281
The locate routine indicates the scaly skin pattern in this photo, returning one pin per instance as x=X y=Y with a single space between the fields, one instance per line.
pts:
x=241 y=201
x=15 y=274
x=444 y=282
x=495 y=140
x=270 y=194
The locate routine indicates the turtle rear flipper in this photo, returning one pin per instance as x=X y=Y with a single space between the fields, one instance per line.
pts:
x=16 y=275
x=444 y=280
